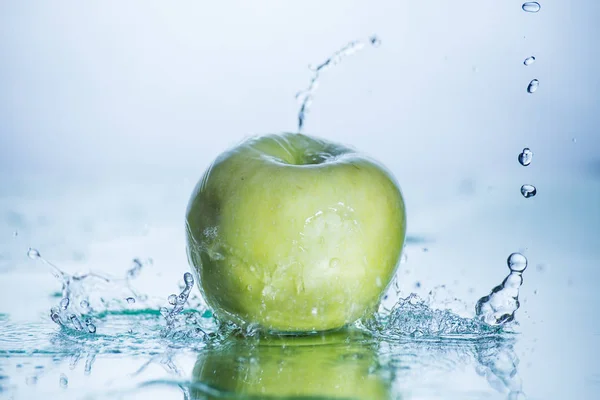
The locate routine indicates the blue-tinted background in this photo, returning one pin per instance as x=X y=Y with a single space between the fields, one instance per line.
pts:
x=110 y=111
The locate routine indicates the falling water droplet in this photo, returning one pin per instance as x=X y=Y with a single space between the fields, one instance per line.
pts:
x=528 y=191
x=533 y=86
x=517 y=262
x=33 y=253
x=84 y=304
x=130 y=300
x=64 y=381
x=531 y=6
x=15 y=233
x=375 y=41
x=574 y=140
x=172 y=299
x=525 y=157
x=529 y=60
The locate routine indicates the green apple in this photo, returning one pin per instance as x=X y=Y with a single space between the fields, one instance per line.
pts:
x=294 y=233
x=333 y=366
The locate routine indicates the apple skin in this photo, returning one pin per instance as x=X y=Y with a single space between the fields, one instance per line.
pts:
x=294 y=233
x=333 y=366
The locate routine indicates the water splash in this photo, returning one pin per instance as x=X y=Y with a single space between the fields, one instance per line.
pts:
x=499 y=307
x=84 y=295
x=305 y=96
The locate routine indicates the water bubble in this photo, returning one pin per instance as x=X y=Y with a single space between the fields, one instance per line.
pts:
x=64 y=381
x=33 y=253
x=525 y=157
x=130 y=300
x=375 y=41
x=188 y=278
x=528 y=191
x=529 y=60
x=517 y=262
x=64 y=303
x=172 y=299
x=249 y=288
x=531 y=6
x=84 y=304
x=533 y=86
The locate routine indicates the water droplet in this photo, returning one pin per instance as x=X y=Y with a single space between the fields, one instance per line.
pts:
x=517 y=262
x=375 y=41
x=334 y=263
x=314 y=311
x=55 y=315
x=76 y=322
x=378 y=281
x=533 y=86
x=84 y=304
x=417 y=284
x=164 y=311
x=33 y=253
x=531 y=6
x=130 y=300
x=91 y=328
x=525 y=157
x=64 y=381
x=403 y=258
x=64 y=303
x=15 y=233
x=574 y=140
x=528 y=191
x=529 y=60
x=172 y=299
x=188 y=278
x=249 y=288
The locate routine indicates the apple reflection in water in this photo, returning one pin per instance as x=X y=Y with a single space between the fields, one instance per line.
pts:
x=341 y=364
